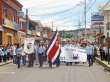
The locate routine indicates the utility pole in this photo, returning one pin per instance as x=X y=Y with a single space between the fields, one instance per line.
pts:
x=52 y=27
x=108 y=47
x=27 y=22
x=79 y=28
x=85 y=17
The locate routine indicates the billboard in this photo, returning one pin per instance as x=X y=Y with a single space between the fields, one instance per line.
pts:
x=97 y=21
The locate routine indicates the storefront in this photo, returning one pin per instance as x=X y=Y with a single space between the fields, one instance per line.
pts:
x=21 y=36
x=9 y=34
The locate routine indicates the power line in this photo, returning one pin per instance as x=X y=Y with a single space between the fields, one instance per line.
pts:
x=92 y=5
x=105 y=5
x=55 y=13
x=45 y=4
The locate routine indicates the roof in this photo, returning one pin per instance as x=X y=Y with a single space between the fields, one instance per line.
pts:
x=88 y=31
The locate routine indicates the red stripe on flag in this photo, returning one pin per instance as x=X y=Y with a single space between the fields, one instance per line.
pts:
x=53 y=50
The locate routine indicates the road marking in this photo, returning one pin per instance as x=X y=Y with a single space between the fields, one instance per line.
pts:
x=7 y=72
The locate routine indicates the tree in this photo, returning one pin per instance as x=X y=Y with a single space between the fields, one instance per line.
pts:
x=69 y=35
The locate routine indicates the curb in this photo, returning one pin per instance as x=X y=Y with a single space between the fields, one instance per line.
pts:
x=103 y=63
x=1 y=64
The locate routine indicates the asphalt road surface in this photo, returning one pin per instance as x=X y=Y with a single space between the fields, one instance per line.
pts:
x=74 y=73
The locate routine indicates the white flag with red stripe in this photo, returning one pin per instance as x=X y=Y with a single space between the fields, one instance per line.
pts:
x=53 y=49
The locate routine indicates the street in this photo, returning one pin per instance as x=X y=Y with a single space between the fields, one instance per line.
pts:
x=75 y=73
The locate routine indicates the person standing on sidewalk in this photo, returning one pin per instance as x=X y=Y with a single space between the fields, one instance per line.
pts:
x=1 y=54
x=4 y=54
x=102 y=52
x=90 y=51
x=18 y=54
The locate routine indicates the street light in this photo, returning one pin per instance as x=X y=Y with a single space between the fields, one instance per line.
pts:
x=85 y=17
x=20 y=14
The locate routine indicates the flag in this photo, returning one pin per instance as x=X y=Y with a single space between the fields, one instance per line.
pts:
x=53 y=49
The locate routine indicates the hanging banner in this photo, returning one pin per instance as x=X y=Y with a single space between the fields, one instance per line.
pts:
x=73 y=54
x=29 y=45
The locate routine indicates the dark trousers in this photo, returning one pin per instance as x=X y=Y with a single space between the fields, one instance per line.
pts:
x=90 y=59
x=14 y=59
x=31 y=59
x=8 y=56
x=0 y=59
x=50 y=63
x=4 y=58
x=24 y=59
x=102 y=55
x=68 y=63
x=18 y=61
x=57 y=61
x=94 y=58
x=40 y=56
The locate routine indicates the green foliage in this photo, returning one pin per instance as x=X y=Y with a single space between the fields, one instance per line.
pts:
x=69 y=35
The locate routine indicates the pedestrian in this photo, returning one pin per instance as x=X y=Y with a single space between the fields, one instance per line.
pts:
x=23 y=55
x=102 y=52
x=8 y=52
x=40 y=51
x=69 y=45
x=90 y=51
x=31 y=58
x=36 y=54
x=4 y=54
x=18 y=54
x=1 y=54
x=13 y=52
x=83 y=46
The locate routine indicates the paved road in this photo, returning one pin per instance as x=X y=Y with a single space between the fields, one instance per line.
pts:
x=75 y=73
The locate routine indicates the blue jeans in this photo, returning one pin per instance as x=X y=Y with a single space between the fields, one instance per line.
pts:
x=90 y=59
x=31 y=59
x=24 y=59
x=40 y=56
x=14 y=59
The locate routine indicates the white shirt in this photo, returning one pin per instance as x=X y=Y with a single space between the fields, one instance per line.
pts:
x=13 y=49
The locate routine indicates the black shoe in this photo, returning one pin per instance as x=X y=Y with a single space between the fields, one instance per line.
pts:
x=29 y=66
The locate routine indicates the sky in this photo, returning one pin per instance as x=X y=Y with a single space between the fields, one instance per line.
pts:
x=65 y=14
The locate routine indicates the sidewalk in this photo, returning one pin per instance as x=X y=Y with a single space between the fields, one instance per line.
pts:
x=4 y=63
x=103 y=63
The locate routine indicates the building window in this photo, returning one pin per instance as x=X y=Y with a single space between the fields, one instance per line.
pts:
x=23 y=25
x=5 y=11
x=108 y=26
x=14 y=15
x=107 y=18
x=9 y=39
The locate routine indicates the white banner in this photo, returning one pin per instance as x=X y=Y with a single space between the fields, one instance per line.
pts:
x=29 y=45
x=73 y=54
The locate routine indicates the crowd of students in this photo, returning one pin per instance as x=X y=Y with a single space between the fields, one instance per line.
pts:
x=16 y=53
x=92 y=49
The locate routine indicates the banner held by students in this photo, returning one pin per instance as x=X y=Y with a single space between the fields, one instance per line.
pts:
x=73 y=54
x=53 y=49
x=29 y=45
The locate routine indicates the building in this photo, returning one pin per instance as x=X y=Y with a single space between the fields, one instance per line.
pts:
x=106 y=13
x=77 y=34
x=9 y=21
x=22 y=30
x=47 y=33
x=89 y=34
